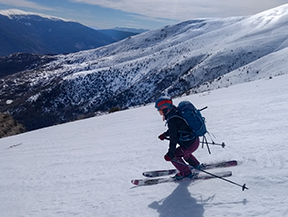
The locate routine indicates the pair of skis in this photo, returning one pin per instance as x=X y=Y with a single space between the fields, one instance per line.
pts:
x=156 y=177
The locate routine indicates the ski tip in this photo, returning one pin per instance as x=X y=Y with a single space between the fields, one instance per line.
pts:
x=244 y=187
x=148 y=174
x=135 y=182
x=235 y=162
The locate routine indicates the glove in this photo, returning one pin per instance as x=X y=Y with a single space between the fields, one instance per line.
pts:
x=167 y=158
x=162 y=136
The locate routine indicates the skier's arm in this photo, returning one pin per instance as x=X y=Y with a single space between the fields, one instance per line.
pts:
x=166 y=133
x=173 y=134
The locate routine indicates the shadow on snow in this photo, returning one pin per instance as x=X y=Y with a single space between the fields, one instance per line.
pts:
x=179 y=203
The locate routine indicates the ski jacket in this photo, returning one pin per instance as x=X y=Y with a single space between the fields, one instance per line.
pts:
x=178 y=131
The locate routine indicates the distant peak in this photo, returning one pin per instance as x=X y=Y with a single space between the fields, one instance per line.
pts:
x=16 y=12
x=11 y=12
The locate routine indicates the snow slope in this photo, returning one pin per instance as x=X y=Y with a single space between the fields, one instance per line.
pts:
x=273 y=64
x=84 y=168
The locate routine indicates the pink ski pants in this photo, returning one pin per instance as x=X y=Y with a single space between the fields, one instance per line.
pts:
x=186 y=154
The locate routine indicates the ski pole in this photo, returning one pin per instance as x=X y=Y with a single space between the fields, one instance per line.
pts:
x=211 y=174
x=203 y=108
x=214 y=143
x=227 y=180
x=210 y=143
x=204 y=141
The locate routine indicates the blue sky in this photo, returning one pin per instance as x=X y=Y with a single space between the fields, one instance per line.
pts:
x=146 y=14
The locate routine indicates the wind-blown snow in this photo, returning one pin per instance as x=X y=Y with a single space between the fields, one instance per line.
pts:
x=84 y=168
x=18 y=13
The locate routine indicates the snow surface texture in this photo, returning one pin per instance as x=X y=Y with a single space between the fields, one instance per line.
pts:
x=84 y=168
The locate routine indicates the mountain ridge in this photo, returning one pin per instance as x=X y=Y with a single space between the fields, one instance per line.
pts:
x=172 y=60
x=28 y=32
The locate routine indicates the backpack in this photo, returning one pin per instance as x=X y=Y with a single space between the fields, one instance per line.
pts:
x=193 y=117
x=196 y=122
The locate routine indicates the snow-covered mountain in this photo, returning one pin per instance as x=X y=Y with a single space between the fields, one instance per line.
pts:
x=19 y=14
x=118 y=35
x=84 y=168
x=132 y=30
x=41 y=34
x=172 y=60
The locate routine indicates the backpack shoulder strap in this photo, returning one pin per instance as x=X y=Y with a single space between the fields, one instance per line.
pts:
x=177 y=115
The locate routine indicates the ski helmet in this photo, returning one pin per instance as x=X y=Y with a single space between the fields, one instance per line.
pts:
x=163 y=103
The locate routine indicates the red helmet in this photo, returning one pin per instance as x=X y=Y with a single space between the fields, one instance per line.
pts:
x=163 y=103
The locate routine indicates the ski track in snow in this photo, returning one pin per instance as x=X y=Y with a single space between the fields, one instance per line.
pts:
x=84 y=168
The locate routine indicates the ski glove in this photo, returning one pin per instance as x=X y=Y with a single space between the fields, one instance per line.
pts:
x=167 y=158
x=162 y=136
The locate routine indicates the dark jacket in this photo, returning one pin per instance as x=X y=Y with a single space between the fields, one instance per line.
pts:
x=178 y=132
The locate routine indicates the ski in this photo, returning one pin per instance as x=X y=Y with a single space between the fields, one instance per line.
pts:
x=200 y=176
x=157 y=173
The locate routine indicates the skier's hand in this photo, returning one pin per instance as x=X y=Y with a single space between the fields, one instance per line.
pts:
x=162 y=136
x=167 y=158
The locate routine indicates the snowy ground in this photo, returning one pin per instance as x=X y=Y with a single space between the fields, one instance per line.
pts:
x=84 y=168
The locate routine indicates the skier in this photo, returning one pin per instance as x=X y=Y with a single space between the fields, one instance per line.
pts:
x=178 y=133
